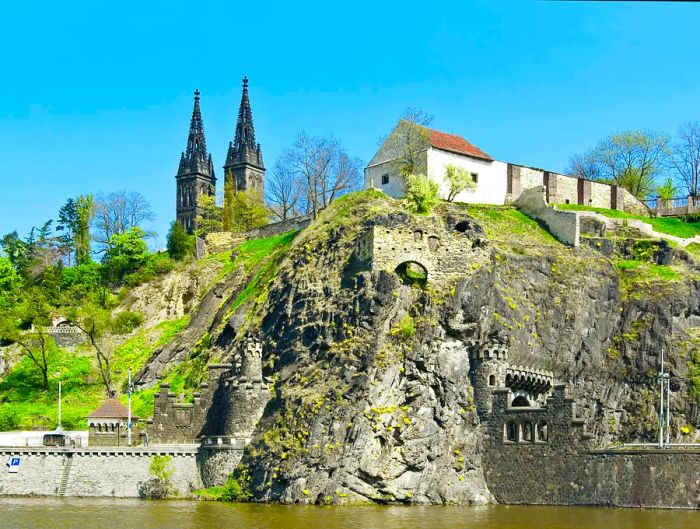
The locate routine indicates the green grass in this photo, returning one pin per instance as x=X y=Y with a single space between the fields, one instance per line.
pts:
x=634 y=269
x=505 y=223
x=251 y=253
x=668 y=225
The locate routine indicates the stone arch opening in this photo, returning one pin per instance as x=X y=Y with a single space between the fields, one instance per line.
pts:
x=527 y=432
x=542 y=432
x=492 y=380
x=412 y=273
x=520 y=402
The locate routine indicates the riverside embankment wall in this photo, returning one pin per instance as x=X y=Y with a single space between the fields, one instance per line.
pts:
x=88 y=472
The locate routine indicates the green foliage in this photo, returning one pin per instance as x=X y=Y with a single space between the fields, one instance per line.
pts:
x=81 y=280
x=403 y=330
x=246 y=210
x=211 y=218
x=126 y=321
x=179 y=244
x=10 y=283
x=161 y=467
x=421 y=193
x=155 y=264
x=668 y=190
x=232 y=490
x=412 y=273
x=126 y=253
x=229 y=197
x=459 y=179
x=84 y=211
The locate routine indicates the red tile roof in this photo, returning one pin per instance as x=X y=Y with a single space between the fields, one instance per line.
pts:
x=454 y=143
x=111 y=409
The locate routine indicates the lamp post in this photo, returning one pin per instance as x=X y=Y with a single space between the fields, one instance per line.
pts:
x=129 y=390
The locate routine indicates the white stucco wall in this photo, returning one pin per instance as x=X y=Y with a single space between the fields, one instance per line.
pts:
x=492 y=180
x=396 y=186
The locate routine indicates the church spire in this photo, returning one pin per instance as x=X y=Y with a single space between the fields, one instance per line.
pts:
x=195 y=174
x=245 y=132
x=195 y=158
x=244 y=159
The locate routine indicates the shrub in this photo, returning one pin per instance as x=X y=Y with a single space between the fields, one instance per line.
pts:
x=126 y=321
x=421 y=193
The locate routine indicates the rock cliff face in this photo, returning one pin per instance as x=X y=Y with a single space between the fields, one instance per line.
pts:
x=372 y=398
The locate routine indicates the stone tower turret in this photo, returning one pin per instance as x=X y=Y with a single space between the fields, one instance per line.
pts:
x=488 y=362
x=244 y=162
x=195 y=175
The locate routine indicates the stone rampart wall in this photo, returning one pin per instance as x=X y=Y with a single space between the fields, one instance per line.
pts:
x=222 y=241
x=94 y=472
x=564 y=225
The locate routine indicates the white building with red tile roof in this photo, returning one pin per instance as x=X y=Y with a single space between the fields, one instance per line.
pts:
x=430 y=151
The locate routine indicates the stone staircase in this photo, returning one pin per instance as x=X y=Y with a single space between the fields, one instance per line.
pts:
x=67 y=464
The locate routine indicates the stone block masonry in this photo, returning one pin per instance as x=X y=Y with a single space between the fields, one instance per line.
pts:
x=564 y=225
x=89 y=472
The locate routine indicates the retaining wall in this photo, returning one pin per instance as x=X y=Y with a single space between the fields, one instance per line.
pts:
x=94 y=472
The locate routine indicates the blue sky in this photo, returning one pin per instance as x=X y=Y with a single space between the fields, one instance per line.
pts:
x=97 y=96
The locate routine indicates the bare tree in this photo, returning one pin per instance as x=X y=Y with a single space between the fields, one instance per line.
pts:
x=119 y=212
x=323 y=168
x=409 y=139
x=584 y=165
x=285 y=191
x=685 y=157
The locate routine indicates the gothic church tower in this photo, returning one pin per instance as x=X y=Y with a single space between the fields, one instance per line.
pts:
x=244 y=163
x=195 y=176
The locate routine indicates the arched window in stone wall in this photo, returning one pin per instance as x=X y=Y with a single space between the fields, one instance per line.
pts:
x=511 y=431
x=527 y=432
x=542 y=433
x=520 y=402
x=492 y=380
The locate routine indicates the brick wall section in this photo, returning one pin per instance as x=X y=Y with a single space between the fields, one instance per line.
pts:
x=564 y=225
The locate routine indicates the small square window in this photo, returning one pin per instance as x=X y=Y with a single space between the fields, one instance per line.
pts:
x=475 y=178
x=385 y=179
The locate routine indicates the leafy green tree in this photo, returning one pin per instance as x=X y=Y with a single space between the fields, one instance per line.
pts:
x=126 y=252
x=10 y=283
x=211 y=218
x=668 y=190
x=459 y=179
x=17 y=251
x=179 y=244
x=229 y=200
x=248 y=211
x=95 y=321
x=421 y=193
x=25 y=324
x=84 y=212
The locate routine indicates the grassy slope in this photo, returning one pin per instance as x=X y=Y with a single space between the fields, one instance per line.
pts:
x=23 y=403
x=668 y=225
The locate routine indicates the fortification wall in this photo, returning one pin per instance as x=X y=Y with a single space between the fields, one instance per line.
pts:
x=564 y=225
x=222 y=241
x=94 y=472
x=446 y=252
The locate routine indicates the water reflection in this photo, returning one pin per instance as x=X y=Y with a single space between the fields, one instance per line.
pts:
x=127 y=514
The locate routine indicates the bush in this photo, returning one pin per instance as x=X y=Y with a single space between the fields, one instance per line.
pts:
x=421 y=193
x=180 y=245
x=127 y=321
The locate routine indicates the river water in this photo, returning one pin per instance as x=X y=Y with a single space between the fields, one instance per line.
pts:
x=31 y=513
